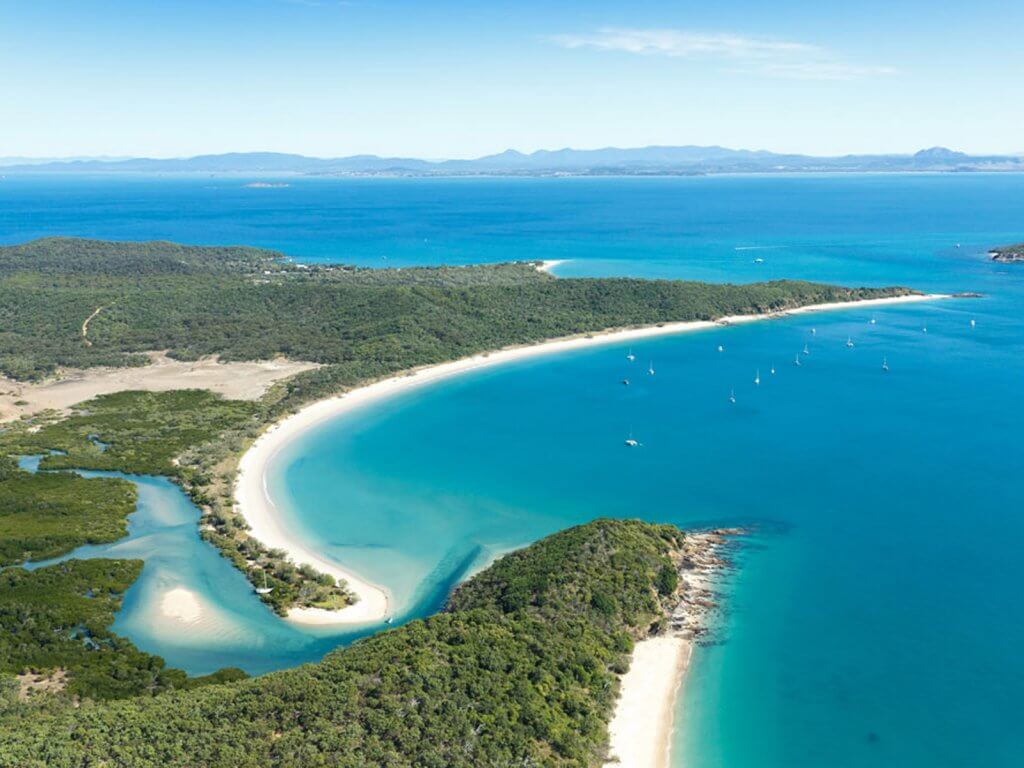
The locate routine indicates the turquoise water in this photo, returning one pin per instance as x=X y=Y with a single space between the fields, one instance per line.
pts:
x=875 y=620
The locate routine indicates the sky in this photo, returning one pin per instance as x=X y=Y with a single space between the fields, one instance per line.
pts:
x=453 y=78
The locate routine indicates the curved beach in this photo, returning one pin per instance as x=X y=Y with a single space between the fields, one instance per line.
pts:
x=253 y=500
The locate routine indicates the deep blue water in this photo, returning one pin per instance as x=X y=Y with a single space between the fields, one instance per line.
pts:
x=875 y=620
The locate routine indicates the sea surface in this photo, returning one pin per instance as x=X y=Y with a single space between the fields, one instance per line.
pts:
x=875 y=618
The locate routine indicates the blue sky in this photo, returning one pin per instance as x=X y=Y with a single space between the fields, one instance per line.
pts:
x=460 y=79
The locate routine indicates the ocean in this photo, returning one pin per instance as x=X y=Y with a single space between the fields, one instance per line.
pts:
x=873 y=619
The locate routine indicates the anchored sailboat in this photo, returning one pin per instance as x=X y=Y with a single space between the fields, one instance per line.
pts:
x=264 y=590
x=757 y=376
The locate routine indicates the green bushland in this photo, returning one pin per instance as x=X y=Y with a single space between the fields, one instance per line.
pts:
x=520 y=669
x=140 y=433
x=46 y=515
x=244 y=304
x=57 y=618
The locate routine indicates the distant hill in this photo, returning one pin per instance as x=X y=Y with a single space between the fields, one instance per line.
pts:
x=641 y=161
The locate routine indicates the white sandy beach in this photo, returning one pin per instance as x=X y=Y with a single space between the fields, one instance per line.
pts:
x=255 y=505
x=641 y=730
x=550 y=264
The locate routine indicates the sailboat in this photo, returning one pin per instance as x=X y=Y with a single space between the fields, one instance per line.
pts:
x=264 y=590
x=630 y=356
x=721 y=348
x=849 y=343
x=757 y=376
x=814 y=331
x=796 y=360
x=650 y=369
x=625 y=382
x=773 y=369
x=872 y=321
x=885 y=364
x=973 y=322
x=807 y=350
x=924 y=329
x=630 y=441
x=732 y=396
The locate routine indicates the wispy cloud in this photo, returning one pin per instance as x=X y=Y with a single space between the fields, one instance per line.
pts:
x=777 y=58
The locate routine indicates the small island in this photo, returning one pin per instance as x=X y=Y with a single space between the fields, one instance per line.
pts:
x=1008 y=254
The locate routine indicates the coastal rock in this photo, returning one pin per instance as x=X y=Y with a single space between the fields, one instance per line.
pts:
x=1009 y=254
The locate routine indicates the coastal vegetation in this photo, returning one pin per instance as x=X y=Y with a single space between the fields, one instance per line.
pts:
x=46 y=515
x=50 y=513
x=247 y=304
x=521 y=668
x=55 y=636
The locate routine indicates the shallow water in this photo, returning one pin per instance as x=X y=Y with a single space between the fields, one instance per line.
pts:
x=875 y=623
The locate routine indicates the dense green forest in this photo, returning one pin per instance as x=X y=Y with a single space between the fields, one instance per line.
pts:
x=520 y=669
x=243 y=303
x=44 y=515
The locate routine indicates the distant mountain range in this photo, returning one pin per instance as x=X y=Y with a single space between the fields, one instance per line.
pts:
x=643 y=161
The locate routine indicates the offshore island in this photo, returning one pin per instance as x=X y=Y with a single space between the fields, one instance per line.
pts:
x=196 y=364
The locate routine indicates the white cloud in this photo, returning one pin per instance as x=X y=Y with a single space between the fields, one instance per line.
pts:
x=777 y=58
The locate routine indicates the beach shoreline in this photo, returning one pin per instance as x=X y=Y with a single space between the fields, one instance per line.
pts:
x=252 y=499
x=643 y=723
x=640 y=733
